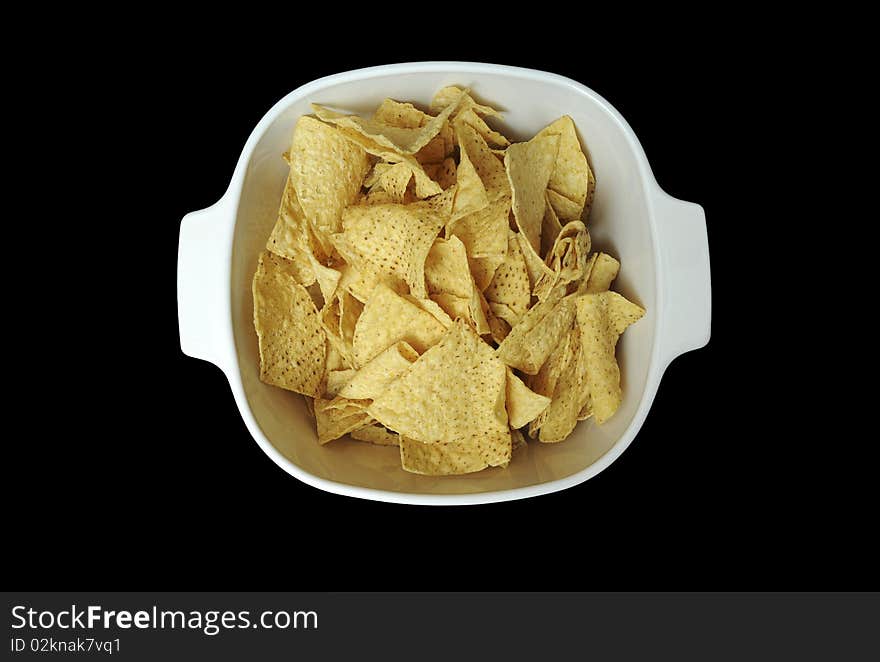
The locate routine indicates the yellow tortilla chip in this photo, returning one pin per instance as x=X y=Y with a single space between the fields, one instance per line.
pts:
x=567 y=260
x=446 y=268
x=336 y=379
x=395 y=179
x=433 y=152
x=483 y=232
x=378 y=196
x=452 y=305
x=339 y=318
x=327 y=172
x=550 y=228
x=545 y=380
x=493 y=139
x=523 y=404
x=389 y=318
x=378 y=373
x=424 y=185
x=455 y=392
x=565 y=209
x=376 y=434
x=291 y=237
x=360 y=284
x=445 y=173
x=470 y=193
x=503 y=312
x=453 y=94
x=569 y=396
x=327 y=277
x=431 y=307
x=534 y=264
x=291 y=341
x=489 y=169
x=530 y=342
x=602 y=274
x=403 y=115
x=498 y=327
x=451 y=459
x=571 y=173
x=336 y=418
x=528 y=168
x=400 y=139
x=601 y=318
x=393 y=239
x=510 y=285
x=483 y=269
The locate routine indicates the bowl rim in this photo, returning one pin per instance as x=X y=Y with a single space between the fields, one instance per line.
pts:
x=651 y=189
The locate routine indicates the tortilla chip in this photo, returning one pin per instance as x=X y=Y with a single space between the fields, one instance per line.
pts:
x=622 y=313
x=433 y=152
x=498 y=327
x=393 y=239
x=334 y=361
x=530 y=342
x=510 y=285
x=483 y=269
x=376 y=434
x=569 y=396
x=523 y=404
x=487 y=166
x=291 y=341
x=493 y=139
x=571 y=173
x=336 y=418
x=451 y=459
x=453 y=94
x=544 y=382
x=601 y=318
x=327 y=172
x=483 y=232
x=550 y=228
x=400 y=139
x=431 y=307
x=371 y=380
x=452 y=305
x=565 y=209
x=528 y=167
x=336 y=379
x=389 y=318
x=471 y=193
x=567 y=259
x=603 y=273
x=403 y=115
x=327 y=277
x=534 y=264
x=291 y=237
x=503 y=312
x=395 y=180
x=445 y=173
x=446 y=268
x=424 y=185
x=455 y=392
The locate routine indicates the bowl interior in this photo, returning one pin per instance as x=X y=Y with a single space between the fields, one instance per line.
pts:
x=619 y=224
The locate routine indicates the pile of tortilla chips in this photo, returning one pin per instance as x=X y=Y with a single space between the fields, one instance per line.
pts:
x=430 y=285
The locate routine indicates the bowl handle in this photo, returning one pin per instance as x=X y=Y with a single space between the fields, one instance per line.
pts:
x=686 y=284
x=203 y=275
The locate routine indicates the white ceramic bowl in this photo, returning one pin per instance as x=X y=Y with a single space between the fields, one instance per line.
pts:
x=660 y=241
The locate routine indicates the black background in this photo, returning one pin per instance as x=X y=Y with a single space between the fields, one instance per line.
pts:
x=142 y=471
